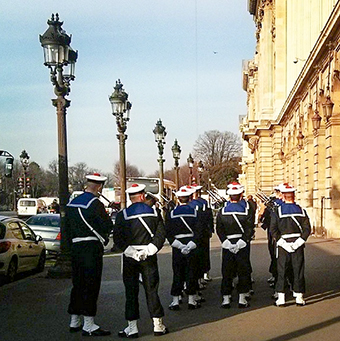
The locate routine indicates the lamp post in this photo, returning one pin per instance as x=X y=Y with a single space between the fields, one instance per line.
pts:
x=160 y=134
x=190 y=162
x=24 y=159
x=176 y=153
x=200 y=169
x=60 y=58
x=121 y=110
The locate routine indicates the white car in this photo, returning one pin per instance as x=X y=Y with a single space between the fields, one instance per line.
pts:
x=20 y=248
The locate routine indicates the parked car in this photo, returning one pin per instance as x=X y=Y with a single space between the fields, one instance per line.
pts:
x=20 y=248
x=47 y=225
x=31 y=206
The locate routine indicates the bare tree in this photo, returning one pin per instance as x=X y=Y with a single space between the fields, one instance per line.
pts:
x=215 y=148
x=131 y=171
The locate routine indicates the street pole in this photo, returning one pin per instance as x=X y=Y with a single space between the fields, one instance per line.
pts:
x=60 y=58
x=160 y=134
x=121 y=110
x=176 y=153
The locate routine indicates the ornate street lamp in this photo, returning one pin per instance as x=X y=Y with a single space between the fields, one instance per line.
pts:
x=316 y=120
x=160 y=134
x=60 y=58
x=190 y=162
x=121 y=110
x=24 y=159
x=176 y=153
x=200 y=169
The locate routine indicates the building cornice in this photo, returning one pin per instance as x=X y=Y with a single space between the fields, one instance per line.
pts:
x=330 y=33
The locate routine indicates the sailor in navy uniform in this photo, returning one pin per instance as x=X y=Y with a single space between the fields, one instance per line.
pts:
x=184 y=235
x=290 y=227
x=265 y=224
x=88 y=227
x=234 y=226
x=207 y=225
x=139 y=232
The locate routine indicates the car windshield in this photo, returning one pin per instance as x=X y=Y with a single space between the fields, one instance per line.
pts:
x=2 y=231
x=53 y=220
x=27 y=203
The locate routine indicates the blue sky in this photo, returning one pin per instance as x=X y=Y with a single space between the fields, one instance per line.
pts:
x=163 y=52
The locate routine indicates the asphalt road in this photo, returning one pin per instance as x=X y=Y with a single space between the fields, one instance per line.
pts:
x=34 y=307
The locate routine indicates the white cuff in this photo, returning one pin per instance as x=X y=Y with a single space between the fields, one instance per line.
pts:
x=226 y=244
x=151 y=249
x=130 y=251
x=177 y=244
x=241 y=244
x=281 y=242
x=191 y=245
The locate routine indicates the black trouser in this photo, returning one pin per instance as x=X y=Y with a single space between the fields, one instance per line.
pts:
x=184 y=270
x=87 y=265
x=204 y=259
x=149 y=271
x=272 y=253
x=235 y=264
x=294 y=262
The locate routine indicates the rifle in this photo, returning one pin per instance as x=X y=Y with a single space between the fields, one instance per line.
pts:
x=267 y=201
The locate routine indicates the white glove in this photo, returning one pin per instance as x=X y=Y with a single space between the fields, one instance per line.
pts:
x=185 y=250
x=241 y=244
x=178 y=245
x=234 y=248
x=151 y=249
x=298 y=243
x=226 y=244
x=141 y=255
x=287 y=246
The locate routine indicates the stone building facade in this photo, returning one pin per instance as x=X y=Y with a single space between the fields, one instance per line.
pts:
x=291 y=131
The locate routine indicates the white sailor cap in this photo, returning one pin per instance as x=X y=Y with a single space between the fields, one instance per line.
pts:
x=282 y=186
x=235 y=190
x=183 y=192
x=189 y=188
x=196 y=187
x=96 y=177
x=286 y=188
x=234 y=184
x=135 y=188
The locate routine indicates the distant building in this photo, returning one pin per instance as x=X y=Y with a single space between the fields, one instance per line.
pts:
x=291 y=131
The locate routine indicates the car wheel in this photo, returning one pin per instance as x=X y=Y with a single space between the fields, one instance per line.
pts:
x=41 y=263
x=12 y=270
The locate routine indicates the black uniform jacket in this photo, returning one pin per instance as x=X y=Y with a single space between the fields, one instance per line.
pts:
x=139 y=224
x=201 y=204
x=185 y=224
x=93 y=212
x=289 y=219
x=227 y=225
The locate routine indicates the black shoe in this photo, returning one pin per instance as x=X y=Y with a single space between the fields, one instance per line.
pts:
x=127 y=336
x=174 y=307
x=165 y=331
x=242 y=305
x=194 y=306
x=97 y=332
x=76 y=329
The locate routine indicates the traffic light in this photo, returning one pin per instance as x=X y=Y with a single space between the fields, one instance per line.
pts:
x=20 y=183
x=28 y=183
x=9 y=167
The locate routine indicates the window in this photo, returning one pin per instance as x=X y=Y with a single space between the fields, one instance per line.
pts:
x=28 y=233
x=15 y=229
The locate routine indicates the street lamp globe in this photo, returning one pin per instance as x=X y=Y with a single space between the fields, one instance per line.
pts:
x=159 y=132
x=118 y=99
x=176 y=150
x=56 y=43
x=190 y=161
x=24 y=159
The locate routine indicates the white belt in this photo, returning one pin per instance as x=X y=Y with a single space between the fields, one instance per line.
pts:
x=84 y=239
x=232 y=236
x=291 y=235
x=140 y=247
x=188 y=235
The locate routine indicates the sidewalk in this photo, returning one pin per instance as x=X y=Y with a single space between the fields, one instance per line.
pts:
x=34 y=308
